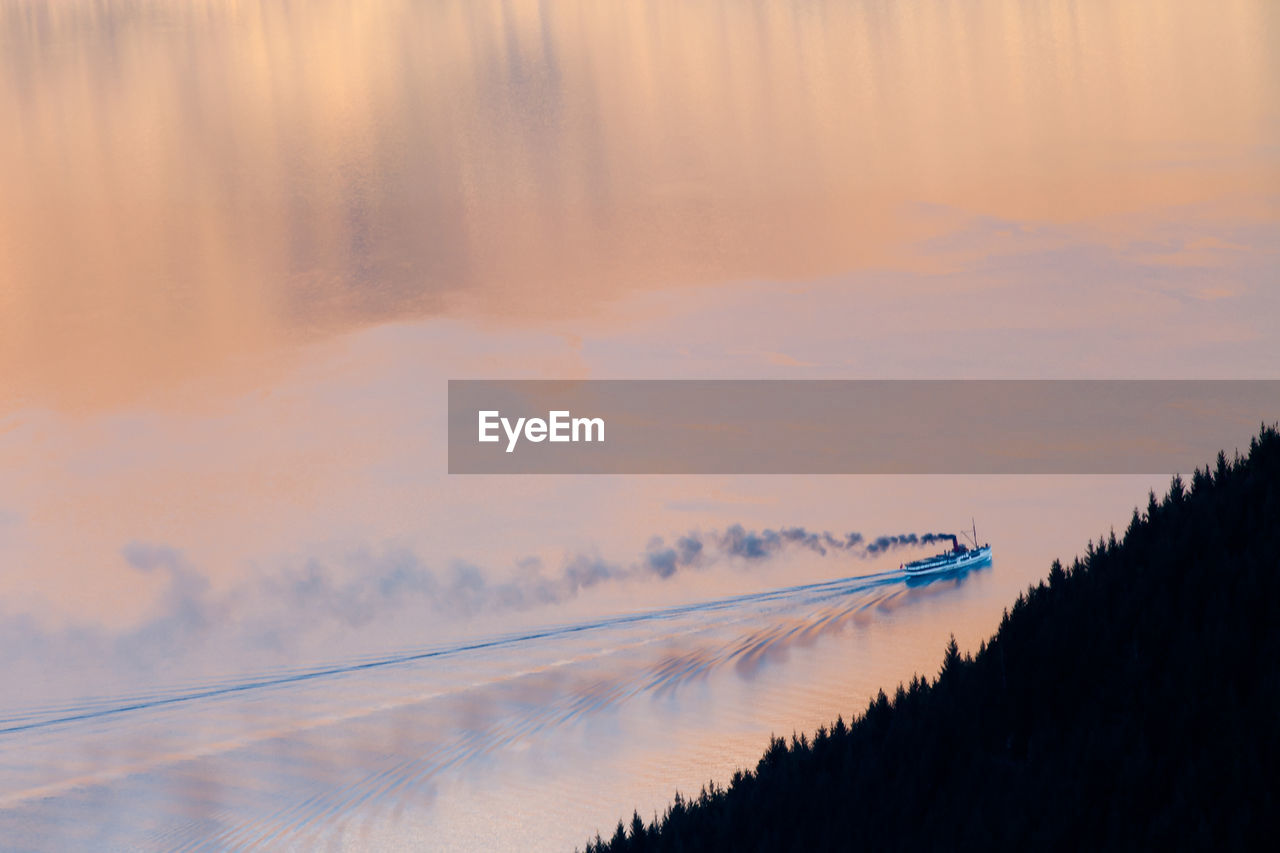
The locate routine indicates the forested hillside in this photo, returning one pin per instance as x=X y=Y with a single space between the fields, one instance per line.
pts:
x=1130 y=701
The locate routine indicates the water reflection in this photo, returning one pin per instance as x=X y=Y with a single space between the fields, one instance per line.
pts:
x=303 y=759
x=197 y=185
x=190 y=191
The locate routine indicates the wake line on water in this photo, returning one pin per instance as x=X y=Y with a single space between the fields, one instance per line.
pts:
x=326 y=747
x=391 y=786
x=16 y=724
x=308 y=600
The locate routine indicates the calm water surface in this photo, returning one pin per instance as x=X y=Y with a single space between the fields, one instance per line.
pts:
x=244 y=244
x=527 y=740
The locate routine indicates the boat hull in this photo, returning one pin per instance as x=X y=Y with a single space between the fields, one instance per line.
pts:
x=970 y=559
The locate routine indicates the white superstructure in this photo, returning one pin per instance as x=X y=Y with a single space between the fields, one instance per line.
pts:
x=959 y=557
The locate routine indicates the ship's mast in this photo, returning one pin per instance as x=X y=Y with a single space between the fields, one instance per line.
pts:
x=974 y=537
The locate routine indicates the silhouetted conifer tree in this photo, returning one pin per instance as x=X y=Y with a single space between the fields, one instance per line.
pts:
x=1128 y=703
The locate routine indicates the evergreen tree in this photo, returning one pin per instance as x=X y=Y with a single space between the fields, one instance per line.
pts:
x=1131 y=702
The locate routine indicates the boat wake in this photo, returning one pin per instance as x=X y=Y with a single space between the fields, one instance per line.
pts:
x=289 y=757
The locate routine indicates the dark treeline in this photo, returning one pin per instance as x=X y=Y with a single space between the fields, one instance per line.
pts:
x=1130 y=701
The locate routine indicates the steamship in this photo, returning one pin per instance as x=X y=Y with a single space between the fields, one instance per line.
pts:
x=960 y=557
